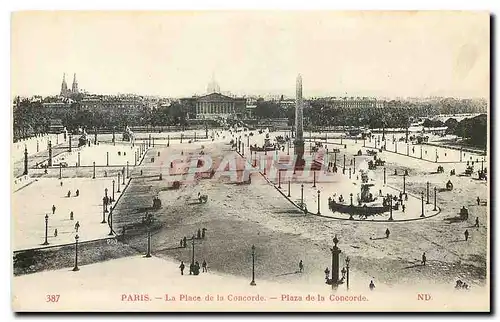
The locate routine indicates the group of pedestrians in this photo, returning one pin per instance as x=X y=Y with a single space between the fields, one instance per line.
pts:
x=194 y=268
x=201 y=234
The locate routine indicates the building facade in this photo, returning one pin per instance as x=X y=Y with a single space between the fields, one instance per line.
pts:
x=215 y=106
x=65 y=91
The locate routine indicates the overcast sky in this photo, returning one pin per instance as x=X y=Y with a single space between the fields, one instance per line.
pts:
x=175 y=53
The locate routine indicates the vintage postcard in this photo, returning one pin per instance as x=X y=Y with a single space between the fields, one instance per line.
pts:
x=253 y=161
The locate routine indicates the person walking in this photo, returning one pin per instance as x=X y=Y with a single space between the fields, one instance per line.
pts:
x=55 y=232
x=387 y=233
x=69 y=193
x=182 y=266
x=466 y=234
x=372 y=285
x=182 y=243
x=424 y=259
x=71 y=216
x=185 y=241
x=61 y=183
x=478 y=201
x=204 y=266
x=477 y=222
x=53 y=209
x=77 y=226
x=199 y=234
x=77 y=192
x=327 y=273
x=403 y=206
x=301 y=266
x=203 y=231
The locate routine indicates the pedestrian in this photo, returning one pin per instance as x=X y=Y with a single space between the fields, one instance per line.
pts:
x=203 y=231
x=77 y=192
x=204 y=266
x=182 y=243
x=199 y=234
x=77 y=226
x=191 y=269
x=301 y=266
x=182 y=266
x=477 y=222
x=69 y=193
x=141 y=172
x=424 y=259
x=478 y=200
x=372 y=285
x=466 y=234
x=185 y=241
x=53 y=209
x=403 y=207
x=61 y=183
x=71 y=216
x=55 y=232
x=387 y=233
x=327 y=273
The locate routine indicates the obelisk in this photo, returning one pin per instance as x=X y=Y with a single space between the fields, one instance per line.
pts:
x=299 y=125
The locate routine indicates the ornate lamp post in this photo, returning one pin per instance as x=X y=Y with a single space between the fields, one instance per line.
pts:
x=46 y=229
x=253 y=266
x=75 y=269
x=335 y=263
x=319 y=213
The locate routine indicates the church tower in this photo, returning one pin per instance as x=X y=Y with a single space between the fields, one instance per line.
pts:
x=64 y=86
x=74 y=87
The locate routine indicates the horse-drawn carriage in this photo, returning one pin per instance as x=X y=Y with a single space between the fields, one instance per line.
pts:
x=379 y=162
x=469 y=170
x=440 y=169
x=202 y=198
x=483 y=175
x=371 y=152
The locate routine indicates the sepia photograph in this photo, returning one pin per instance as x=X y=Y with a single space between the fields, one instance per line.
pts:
x=250 y=161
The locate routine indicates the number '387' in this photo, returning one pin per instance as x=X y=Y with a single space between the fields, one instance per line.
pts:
x=52 y=298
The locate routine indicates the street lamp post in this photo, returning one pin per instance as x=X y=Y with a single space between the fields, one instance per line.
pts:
x=75 y=269
x=118 y=190
x=128 y=175
x=319 y=213
x=314 y=179
x=104 y=206
x=404 y=183
x=113 y=196
x=343 y=167
x=60 y=171
x=390 y=208
x=347 y=261
x=93 y=173
x=279 y=179
x=428 y=202
x=422 y=197
x=46 y=242
x=384 y=176
x=192 y=258
x=350 y=173
x=435 y=194
x=148 y=223
x=288 y=188
x=253 y=266
x=302 y=196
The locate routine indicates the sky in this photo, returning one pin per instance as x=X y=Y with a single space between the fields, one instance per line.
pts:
x=174 y=54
